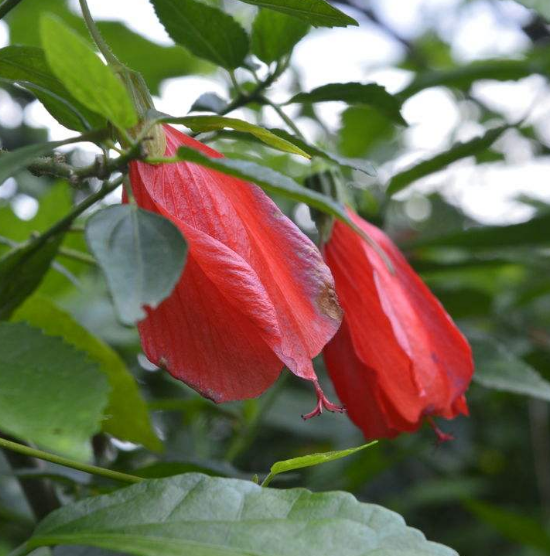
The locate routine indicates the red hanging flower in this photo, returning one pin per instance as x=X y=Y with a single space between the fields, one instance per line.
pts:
x=255 y=294
x=398 y=358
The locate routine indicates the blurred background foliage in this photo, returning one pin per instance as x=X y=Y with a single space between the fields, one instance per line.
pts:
x=488 y=492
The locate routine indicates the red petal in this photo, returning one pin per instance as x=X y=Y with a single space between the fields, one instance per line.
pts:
x=270 y=296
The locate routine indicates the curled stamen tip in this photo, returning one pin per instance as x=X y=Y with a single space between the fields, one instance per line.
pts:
x=323 y=403
x=441 y=436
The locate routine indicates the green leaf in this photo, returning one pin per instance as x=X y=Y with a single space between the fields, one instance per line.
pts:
x=209 y=102
x=499 y=369
x=205 y=31
x=269 y=180
x=310 y=461
x=142 y=255
x=204 y=516
x=275 y=35
x=212 y=123
x=127 y=417
x=21 y=271
x=87 y=78
x=369 y=94
x=441 y=161
x=318 y=13
x=312 y=150
x=530 y=233
x=512 y=525
x=27 y=66
x=50 y=393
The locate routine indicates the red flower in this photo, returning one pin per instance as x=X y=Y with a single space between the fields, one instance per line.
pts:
x=255 y=294
x=398 y=357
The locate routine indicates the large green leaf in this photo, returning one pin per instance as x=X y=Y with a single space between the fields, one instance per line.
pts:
x=499 y=369
x=310 y=461
x=315 y=12
x=275 y=34
x=127 y=416
x=141 y=253
x=204 y=30
x=50 y=393
x=204 y=516
x=201 y=124
x=21 y=271
x=369 y=94
x=86 y=77
x=27 y=66
x=440 y=161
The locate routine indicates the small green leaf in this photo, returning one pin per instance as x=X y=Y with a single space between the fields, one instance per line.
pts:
x=127 y=417
x=50 y=393
x=21 y=271
x=369 y=94
x=27 y=66
x=310 y=461
x=204 y=30
x=197 y=515
x=318 y=13
x=209 y=102
x=142 y=255
x=87 y=78
x=275 y=35
x=499 y=369
x=441 y=161
x=212 y=123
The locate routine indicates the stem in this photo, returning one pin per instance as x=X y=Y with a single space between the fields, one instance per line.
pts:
x=96 y=35
x=7 y=6
x=284 y=117
x=52 y=458
x=76 y=255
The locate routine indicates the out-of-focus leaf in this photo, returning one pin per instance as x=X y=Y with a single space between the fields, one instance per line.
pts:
x=209 y=102
x=275 y=34
x=86 y=77
x=369 y=94
x=213 y=123
x=440 y=161
x=22 y=270
x=362 y=129
x=205 y=516
x=127 y=417
x=463 y=77
x=499 y=369
x=310 y=461
x=50 y=393
x=142 y=255
x=27 y=66
x=511 y=525
x=532 y=232
x=318 y=13
x=540 y=6
x=204 y=30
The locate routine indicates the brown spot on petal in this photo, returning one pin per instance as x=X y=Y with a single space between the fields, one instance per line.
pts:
x=328 y=303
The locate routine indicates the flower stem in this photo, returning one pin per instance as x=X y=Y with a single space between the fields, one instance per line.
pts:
x=284 y=117
x=52 y=458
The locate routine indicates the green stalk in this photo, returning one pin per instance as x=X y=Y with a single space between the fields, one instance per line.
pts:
x=7 y=6
x=84 y=467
